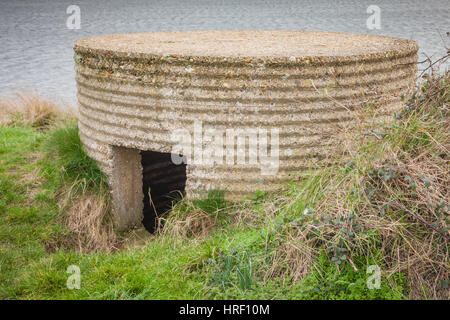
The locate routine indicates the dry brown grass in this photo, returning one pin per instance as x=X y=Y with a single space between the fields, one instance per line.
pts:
x=416 y=233
x=196 y=218
x=195 y=224
x=29 y=109
x=91 y=230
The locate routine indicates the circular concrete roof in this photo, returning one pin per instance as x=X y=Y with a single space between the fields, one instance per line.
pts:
x=257 y=44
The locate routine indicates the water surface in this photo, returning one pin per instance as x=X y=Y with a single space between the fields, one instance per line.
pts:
x=36 y=46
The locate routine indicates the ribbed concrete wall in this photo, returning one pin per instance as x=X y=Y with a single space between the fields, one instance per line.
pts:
x=135 y=90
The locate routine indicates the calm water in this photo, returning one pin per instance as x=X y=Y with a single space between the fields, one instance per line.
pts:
x=36 y=46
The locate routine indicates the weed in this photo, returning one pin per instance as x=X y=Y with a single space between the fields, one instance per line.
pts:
x=29 y=109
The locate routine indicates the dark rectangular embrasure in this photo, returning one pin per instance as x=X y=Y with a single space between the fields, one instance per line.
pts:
x=163 y=183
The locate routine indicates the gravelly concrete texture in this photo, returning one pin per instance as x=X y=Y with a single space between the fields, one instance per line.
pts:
x=136 y=90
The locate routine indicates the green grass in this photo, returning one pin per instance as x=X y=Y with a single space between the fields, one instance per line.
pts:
x=67 y=159
x=223 y=265
x=314 y=240
x=24 y=227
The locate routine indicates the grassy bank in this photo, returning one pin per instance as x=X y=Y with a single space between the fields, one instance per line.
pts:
x=382 y=204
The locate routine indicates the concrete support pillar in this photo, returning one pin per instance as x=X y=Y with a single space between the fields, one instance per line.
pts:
x=126 y=188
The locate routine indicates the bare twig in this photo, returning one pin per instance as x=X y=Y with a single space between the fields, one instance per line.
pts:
x=399 y=206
